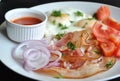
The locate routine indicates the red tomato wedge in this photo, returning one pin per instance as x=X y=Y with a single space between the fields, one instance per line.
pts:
x=108 y=48
x=109 y=39
x=115 y=37
x=102 y=32
x=117 y=52
x=112 y=23
x=103 y=13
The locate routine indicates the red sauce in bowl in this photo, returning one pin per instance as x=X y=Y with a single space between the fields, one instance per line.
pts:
x=27 y=21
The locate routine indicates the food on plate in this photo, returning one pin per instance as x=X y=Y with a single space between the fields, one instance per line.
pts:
x=75 y=45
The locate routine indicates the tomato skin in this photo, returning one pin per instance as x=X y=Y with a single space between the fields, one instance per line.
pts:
x=108 y=48
x=103 y=13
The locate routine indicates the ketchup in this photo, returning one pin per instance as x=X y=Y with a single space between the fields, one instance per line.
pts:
x=27 y=21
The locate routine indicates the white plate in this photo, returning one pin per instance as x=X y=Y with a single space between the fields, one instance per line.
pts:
x=6 y=45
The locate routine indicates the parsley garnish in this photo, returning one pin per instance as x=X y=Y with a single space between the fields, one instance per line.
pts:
x=97 y=51
x=59 y=36
x=90 y=18
x=94 y=16
x=71 y=45
x=72 y=21
x=84 y=25
x=78 y=13
x=56 y=13
x=54 y=22
x=59 y=76
x=64 y=55
x=109 y=64
x=62 y=27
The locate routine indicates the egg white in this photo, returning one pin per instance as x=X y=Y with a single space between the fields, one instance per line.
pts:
x=53 y=29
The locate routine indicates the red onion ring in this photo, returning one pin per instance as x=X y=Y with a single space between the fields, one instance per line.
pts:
x=34 y=54
x=55 y=63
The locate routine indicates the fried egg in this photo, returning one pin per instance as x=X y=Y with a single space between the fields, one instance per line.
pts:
x=64 y=20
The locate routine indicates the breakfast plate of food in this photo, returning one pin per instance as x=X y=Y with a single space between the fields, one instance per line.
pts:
x=81 y=42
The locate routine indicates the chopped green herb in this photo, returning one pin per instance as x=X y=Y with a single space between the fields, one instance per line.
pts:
x=59 y=36
x=56 y=13
x=97 y=51
x=62 y=27
x=72 y=21
x=58 y=76
x=71 y=45
x=78 y=13
x=90 y=18
x=54 y=22
x=109 y=64
x=84 y=25
x=64 y=55
x=94 y=16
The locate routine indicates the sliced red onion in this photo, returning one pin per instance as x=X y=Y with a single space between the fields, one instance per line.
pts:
x=55 y=63
x=34 y=54
x=36 y=63
x=36 y=58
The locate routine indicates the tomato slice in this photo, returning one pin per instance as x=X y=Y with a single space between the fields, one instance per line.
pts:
x=117 y=52
x=103 y=13
x=105 y=32
x=108 y=48
x=100 y=31
x=115 y=37
x=112 y=23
